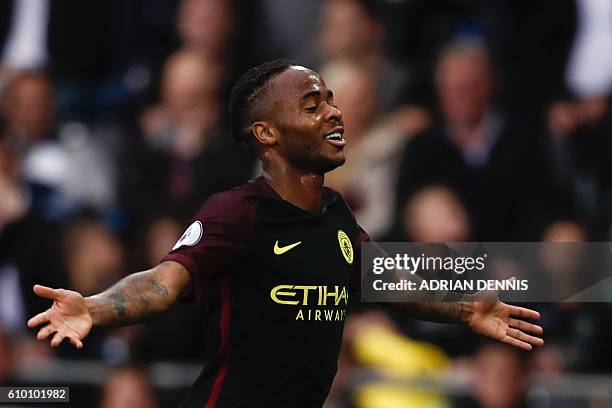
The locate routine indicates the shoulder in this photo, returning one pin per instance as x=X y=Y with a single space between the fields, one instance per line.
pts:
x=235 y=205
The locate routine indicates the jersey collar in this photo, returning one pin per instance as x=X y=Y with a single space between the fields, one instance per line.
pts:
x=284 y=209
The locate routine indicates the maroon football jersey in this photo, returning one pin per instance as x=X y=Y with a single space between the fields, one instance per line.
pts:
x=273 y=283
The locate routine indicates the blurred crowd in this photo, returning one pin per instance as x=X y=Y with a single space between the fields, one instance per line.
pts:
x=466 y=120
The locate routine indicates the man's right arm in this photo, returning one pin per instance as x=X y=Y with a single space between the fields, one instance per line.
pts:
x=139 y=296
x=133 y=299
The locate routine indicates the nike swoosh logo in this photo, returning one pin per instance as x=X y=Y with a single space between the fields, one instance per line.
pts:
x=281 y=250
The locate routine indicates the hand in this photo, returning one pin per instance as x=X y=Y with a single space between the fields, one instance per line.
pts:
x=68 y=317
x=504 y=323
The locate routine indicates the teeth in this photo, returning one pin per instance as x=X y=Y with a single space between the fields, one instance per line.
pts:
x=334 y=136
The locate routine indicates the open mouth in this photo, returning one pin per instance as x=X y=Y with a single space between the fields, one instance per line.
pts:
x=336 y=139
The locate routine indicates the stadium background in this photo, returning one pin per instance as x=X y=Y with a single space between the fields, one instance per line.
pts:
x=466 y=120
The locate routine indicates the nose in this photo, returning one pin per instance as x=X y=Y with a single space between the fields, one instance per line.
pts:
x=333 y=114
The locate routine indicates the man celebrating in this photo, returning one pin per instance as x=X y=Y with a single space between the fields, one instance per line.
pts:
x=270 y=263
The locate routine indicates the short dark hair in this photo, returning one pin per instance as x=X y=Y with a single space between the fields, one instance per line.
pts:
x=246 y=95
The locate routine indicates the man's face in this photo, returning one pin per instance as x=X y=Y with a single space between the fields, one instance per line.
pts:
x=347 y=31
x=205 y=24
x=190 y=89
x=310 y=125
x=464 y=85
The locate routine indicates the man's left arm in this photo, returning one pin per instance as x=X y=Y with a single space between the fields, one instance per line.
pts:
x=482 y=312
x=491 y=318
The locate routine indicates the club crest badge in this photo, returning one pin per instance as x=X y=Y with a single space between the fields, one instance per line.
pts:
x=345 y=246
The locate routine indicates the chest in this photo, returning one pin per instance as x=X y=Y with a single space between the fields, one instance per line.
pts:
x=315 y=252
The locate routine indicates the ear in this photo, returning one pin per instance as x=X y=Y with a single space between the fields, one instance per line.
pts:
x=265 y=132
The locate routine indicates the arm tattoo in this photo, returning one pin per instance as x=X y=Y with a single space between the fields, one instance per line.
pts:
x=439 y=311
x=158 y=287
x=444 y=307
x=119 y=304
x=133 y=299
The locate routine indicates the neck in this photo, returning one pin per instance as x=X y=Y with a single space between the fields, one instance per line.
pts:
x=301 y=189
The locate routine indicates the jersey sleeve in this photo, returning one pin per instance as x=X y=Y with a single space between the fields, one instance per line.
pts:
x=215 y=238
x=355 y=280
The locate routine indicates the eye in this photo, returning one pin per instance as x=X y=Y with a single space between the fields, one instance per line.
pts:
x=311 y=108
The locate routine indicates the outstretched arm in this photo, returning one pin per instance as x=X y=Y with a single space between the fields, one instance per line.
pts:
x=482 y=312
x=492 y=318
x=139 y=296
x=131 y=300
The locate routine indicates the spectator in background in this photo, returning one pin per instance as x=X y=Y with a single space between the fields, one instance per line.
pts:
x=190 y=108
x=562 y=265
x=214 y=29
x=175 y=164
x=576 y=333
x=500 y=376
x=354 y=30
x=206 y=26
x=62 y=173
x=435 y=214
x=128 y=387
x=367 y=180
x=28 y=110
x=579 y=125
x=496 y=168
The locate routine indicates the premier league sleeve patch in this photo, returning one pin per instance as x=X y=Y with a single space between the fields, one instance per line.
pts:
x=191 y=236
